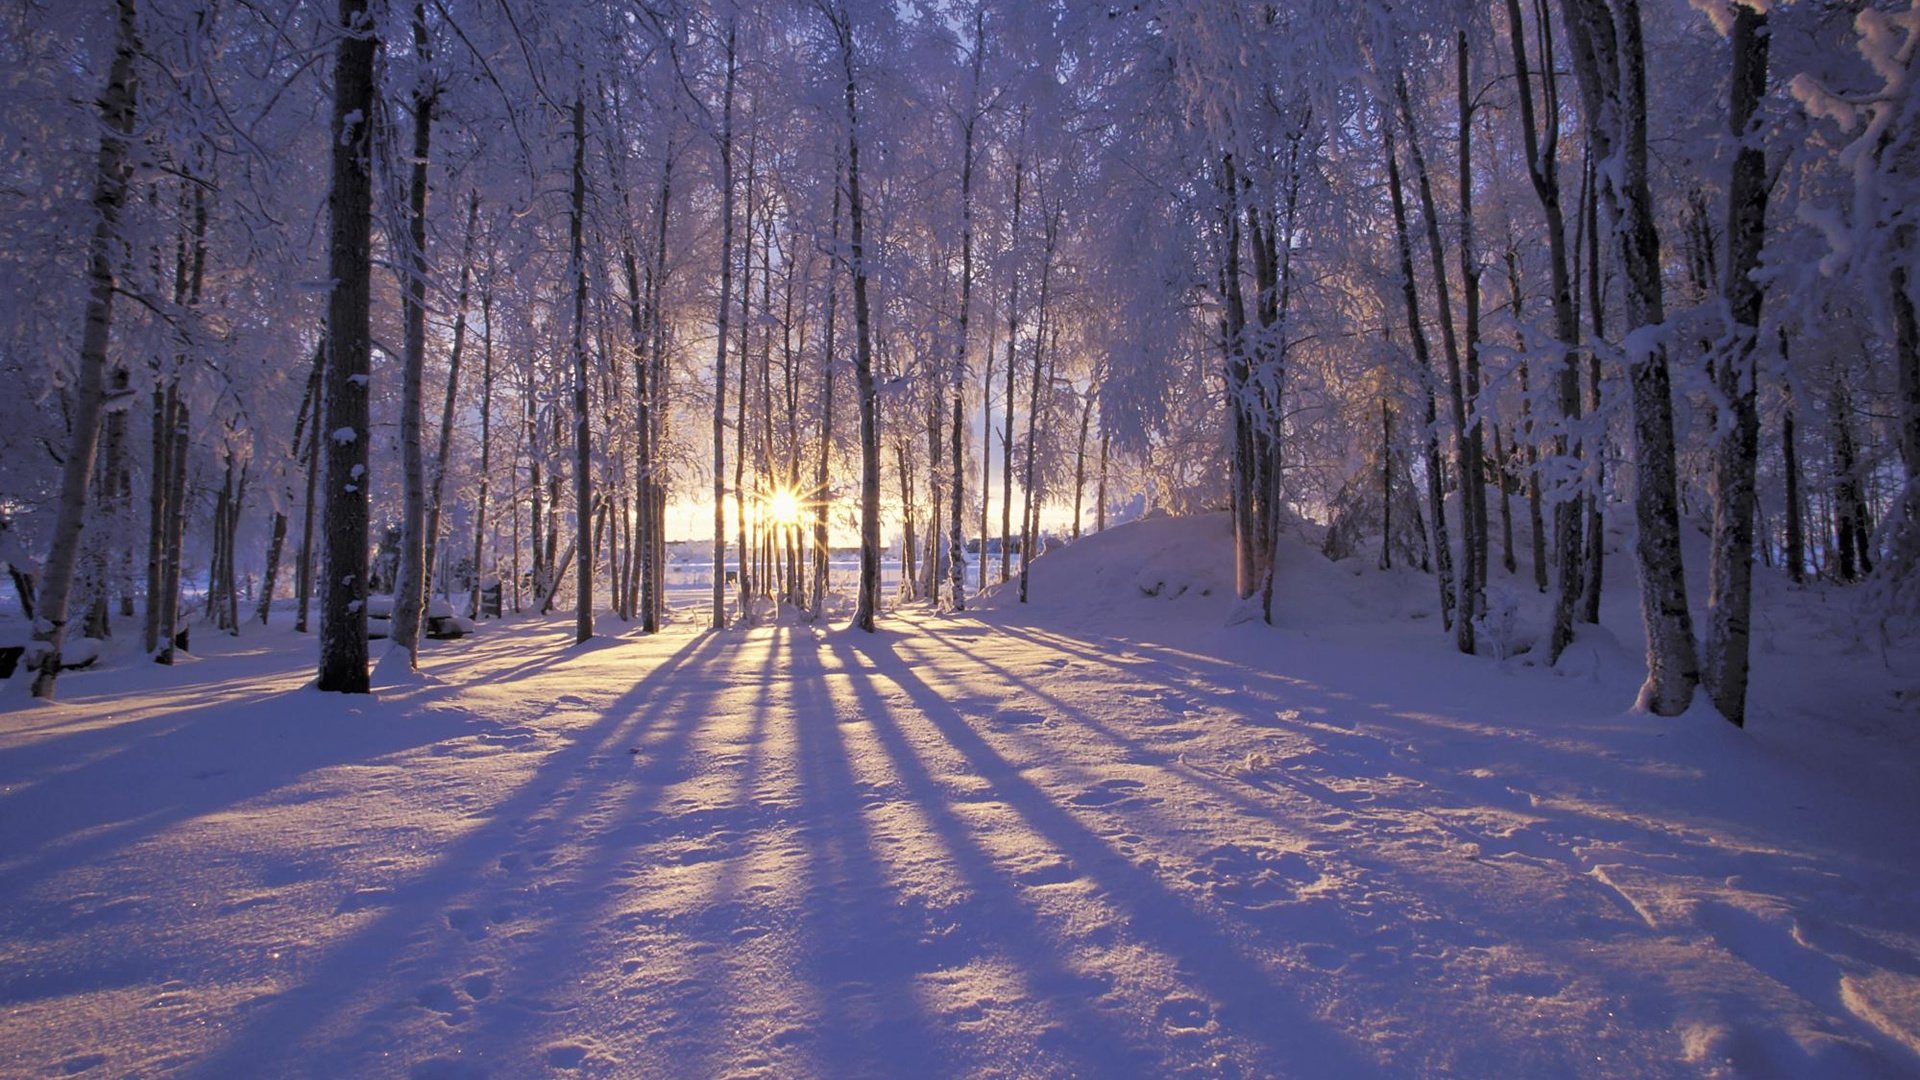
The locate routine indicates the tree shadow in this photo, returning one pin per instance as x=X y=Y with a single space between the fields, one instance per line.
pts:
x=330 y=999
x=1240 y=997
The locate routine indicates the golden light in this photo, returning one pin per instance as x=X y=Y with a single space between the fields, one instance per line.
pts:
x=782 y=507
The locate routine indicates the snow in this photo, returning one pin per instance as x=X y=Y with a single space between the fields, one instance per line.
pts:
x=1099 y=834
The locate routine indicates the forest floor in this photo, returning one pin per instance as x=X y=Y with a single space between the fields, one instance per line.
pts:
x=1103 y=834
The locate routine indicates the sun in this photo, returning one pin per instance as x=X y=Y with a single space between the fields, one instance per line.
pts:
x=782 y=507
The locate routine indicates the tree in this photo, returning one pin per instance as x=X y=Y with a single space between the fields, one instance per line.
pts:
x=410 y=584
x=1737 y=446
x=1609 y=58
x=343 y=604
x=117 y=104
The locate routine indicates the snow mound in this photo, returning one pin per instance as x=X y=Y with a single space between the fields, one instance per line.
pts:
x=1156 y=568
x=1179 y=571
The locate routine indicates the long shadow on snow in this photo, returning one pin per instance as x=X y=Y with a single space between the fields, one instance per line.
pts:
x=272 y=1039
x=1640 y=810
x=134 y=780
x=1254 y=1007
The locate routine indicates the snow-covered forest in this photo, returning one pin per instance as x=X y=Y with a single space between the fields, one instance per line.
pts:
x=423 y=408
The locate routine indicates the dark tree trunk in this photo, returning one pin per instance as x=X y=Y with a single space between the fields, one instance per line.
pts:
x=343 y=607
x=1795 y=513
x=410 y=578
x=438 y=484
x=719 y=617
x=867 y=607
x=582 y=444
x=1423 y=356
x=1737 y=446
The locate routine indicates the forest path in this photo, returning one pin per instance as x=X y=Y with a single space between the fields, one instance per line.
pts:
x=952 y=848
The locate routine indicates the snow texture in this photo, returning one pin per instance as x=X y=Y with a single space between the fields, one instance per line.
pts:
x=1102 y=834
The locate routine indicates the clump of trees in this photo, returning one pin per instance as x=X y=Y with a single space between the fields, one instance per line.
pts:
x=524 y=280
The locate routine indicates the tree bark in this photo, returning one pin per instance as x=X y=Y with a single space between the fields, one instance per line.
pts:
x=410 y=578
x=956 y=529
x=719 y=617
x=1736 y=450
x=867 y=607
x=1795 y=511
x=437 y=485
x=1013 y=336
x=1423 y=356
x=309 y=413
x=109 y=195
x=1469 y=595
x=1540 y=129
x=582 y=439
x=1030 y=507
x=822 y=547
x=343 y=608
x=486 y=439
x=1610 y=60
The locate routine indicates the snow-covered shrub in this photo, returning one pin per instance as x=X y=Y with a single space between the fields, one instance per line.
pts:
x=1500 y=627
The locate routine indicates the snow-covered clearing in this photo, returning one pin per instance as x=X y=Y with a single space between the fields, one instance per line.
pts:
x=1102 y=835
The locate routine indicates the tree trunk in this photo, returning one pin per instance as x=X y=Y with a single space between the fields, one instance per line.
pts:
x=176 y=524
x=956 y=529
x=1013 y=336
x=486 y=440
x=410 y=579
x=1737 y=446
x=1100 y=485
x=1080 y=463
x=310 y=464
x=1540 y=129
x=1790 y=461
x=1423 y=356
x=1476 y=488
x=161 y=469
x=1849 y=506
x=1030 y=512
x=867 y=607
x=582 y=443
x=1610 y=61
x=719 y=618
x=744 y=547
x=309 y=412
x=822 y=548
x=1470 y=597
x=438 y=484
x=1596 y=545
x=109 y=195
x=1386 y=484
x=343 y=608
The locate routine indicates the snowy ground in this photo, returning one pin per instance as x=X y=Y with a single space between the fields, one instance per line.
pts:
x=1100 y=835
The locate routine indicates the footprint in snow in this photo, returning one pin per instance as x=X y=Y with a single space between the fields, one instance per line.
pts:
x=442 y=999
x=442 y=1068
x=1016 y=718
x=1051 y=871
x=1116 y=791
x=468 y=922
x=1184 y=1014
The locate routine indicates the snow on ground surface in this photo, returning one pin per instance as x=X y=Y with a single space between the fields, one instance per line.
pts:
x=1101 y=835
